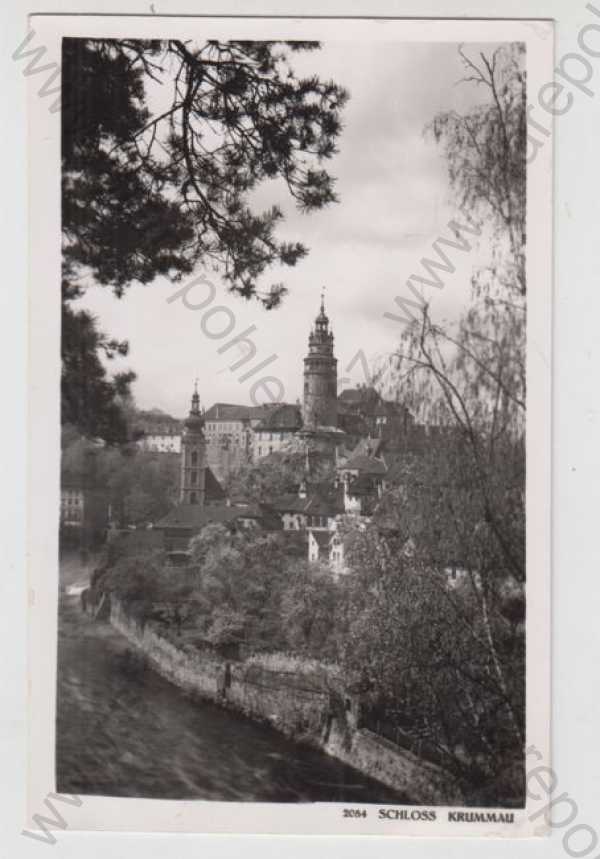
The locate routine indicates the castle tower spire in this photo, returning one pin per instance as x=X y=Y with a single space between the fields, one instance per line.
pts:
x=319 y=407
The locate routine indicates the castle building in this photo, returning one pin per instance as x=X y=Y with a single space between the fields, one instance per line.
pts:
x=193 y=456
x=159 y=432
x=319 y=408
x=229 y=425
x=277 y=429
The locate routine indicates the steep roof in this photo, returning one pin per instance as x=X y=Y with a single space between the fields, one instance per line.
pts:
x=290 y=503
x=364 y=464
x=352 y=423
x=193 y=517
x=213 y=491
x=321 y=500
x=355 y=396
x=131 y=543
x=228 y=412
x=294 y=542
x=371 y=447
x=400 y=466
x=361 y=485
x=325 y=505
x=321 y=537
x=390 y=408
x=368 y=403
x=260 y=412
x=281 y=417
x=156 y=422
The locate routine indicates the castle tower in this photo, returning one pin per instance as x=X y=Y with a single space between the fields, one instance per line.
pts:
x=319 y=408
x=193 y=456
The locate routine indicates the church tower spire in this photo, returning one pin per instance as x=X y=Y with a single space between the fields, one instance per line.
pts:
x=195 y=410
x=193 y=455
x=319 y=407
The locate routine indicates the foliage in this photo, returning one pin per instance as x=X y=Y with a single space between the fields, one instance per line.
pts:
x=162 y=145
x=455 y=656
x=428 y=656
x=457 y=515
x=280 y=473
x=90 y=400
x=152 y=191
x=485 y=152
x=141 y=484
x=470 y=379
x=136 y=581
x=308 y=608
x=239 y=577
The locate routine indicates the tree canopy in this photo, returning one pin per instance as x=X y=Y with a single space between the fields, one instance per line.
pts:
x=279 y=473
x=469 y=376
x=141 y=485
x=464 y=505
x=163 y=143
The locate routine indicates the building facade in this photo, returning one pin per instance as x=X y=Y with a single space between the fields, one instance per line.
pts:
x=229 y=425
x=84 y=512
x=276 y=430
x=159 y=432
x=161 y=443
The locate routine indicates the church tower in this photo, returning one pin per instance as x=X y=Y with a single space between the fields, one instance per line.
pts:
x=319 y=407
x=193 y=456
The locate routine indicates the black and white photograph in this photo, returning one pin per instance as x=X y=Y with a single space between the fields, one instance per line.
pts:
x=292 y=525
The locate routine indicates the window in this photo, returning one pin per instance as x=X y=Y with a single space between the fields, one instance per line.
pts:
x=194 y=459
x=193 y=498
x=194 y=478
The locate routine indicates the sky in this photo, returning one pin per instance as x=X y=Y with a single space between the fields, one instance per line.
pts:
x=395 y=201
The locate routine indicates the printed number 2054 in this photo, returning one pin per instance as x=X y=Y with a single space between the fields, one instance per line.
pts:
x=355 y=812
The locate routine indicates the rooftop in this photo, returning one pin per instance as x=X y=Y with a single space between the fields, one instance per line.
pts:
x=194 y=517
x=213 y=491
x=290 y=503
x=228 y=412
x=353 y=396
x=155 y=422
x=321 y=537
x=281 y=417
x=365 y=464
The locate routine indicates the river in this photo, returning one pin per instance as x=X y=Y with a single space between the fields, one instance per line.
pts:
x=123 y=730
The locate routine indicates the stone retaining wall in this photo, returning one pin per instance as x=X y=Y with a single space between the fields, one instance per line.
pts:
x=302 y=705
